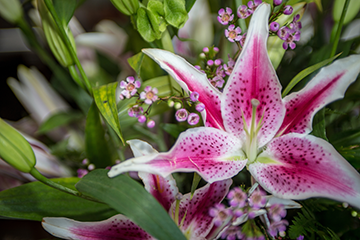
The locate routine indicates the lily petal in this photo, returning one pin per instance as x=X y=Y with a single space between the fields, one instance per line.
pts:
x=288 y=204
x=191 y=79
x=116 y=227
x=327 y=86
x=294 y=166
x=163 y=189
x=212 y=153
x=197 y=222
x=254 y=77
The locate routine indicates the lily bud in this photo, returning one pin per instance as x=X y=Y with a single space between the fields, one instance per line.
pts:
x=14 y=149
x=127 y=7
x=11 y=11
x=52 y=34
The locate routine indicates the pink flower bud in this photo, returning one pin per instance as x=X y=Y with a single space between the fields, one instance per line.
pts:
x=151 y=124
x=141 y=119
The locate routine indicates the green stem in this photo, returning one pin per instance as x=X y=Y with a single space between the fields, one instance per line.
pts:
x=166 y=41
x=36 y=174
x=195 y=183
x=339 y=27
x=68 y=44
x=74 y=74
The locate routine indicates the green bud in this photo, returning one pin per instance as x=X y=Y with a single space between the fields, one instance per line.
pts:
x=52 y=34
x=127 y=7
x=11 y=10
x=353 y=9
x=177 y=105
x=171 y=103
x=14 y=149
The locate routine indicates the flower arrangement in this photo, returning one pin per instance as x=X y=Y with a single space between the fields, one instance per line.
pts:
x=253 y=160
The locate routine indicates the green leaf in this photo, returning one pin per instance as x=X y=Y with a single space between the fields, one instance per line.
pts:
x=59 y=119
x=157 y=8
x=301 y=75
x=105 y=101
x=131 y=199
x=14 y=149
x=319 y=129
x=352 y=11
x=147 y=25
x=175 y=12
x=173 y=129
x=136 y=61
x=162 y=84
x=65 y=9
x=97 y=150
x=189 y=4
x=127 y=7
x=35 y=200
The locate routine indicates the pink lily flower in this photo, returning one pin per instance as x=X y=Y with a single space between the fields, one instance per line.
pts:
x=193 y=218
x=249 y=124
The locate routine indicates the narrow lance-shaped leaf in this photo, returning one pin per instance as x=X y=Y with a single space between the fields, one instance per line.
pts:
x=65 y=9
x=97 y=150
x=58 y=120
x=35 y=200
x=131 y=199
x=105 y=101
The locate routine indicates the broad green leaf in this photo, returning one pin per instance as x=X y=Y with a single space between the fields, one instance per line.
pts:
x=97 y=150
x=65 y=9
x=131 y=199
x=175 y=12
x=319 y=125
x=162 y=84
x=157 y=8
x=136 y=61
x=58 y=120
x=147 y=25
x=301 y=75
x=14 y=149
x=35 y=200
x=105 y=101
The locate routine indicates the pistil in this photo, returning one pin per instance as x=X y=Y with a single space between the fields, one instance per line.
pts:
x=251 y=143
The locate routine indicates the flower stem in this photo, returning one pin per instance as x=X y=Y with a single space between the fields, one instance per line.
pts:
x=339 y=27
x=36 y=174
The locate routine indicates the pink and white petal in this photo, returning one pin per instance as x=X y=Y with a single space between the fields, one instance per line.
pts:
x=191 y=79
x=198 y=222
x=287 y=203
x=214 y=154
x=141 y=148
x=116 y=227
x=254 y=77
x=327 y=86
x=294 y=166
x=163 y=189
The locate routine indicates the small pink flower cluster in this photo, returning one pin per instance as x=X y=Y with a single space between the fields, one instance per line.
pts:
x=290 y=33
x=243 y=208
x=215 y=69
x=148 y=96
x=233 y=33
x=81 y=172
x=183 y=115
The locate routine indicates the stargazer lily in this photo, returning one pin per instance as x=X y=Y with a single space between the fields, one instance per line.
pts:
x=191 y=214
x=249 y=124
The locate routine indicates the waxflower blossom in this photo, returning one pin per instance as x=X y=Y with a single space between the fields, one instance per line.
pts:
x=220 y=214
x=217 y=81
x=233 y=34
x=200 y=107
x=275 y=227
x=130 y=87
x=288 y=10
x=135 y=111
x=229 y=67
x=257 y=200
x=192 y=210
x=250 y=124
x=181 y=115
x=283 y=33
x=276 y=212
x=274 y=26
x=232 y=233
x=193 y=119
x=253 y=5
x=243 y=12
x=149 y=95
x=225 y=16
x=237 y=197
x=194 y=96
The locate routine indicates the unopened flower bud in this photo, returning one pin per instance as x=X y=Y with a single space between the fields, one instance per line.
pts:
x=202 y=55
x=217 y=62
x=288 y=10
x=200 y=107
x=151 y=124
x=194 y=96
x=216 y=49
x=205 y=49
x=127 y=7
x=11 y=10
x=141 y=119
x=171 y=103
x=91 y=167
x=210 y=62
x=274 y=26
x=277 y=2
x=14 y=149
x=177 y=105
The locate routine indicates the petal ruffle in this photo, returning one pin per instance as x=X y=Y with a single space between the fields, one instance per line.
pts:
x=298 y=167
x=214 y=154
x=327 y=86
x=198 y=222
x=254 y=77
x=191 y=79
x=116 y=227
